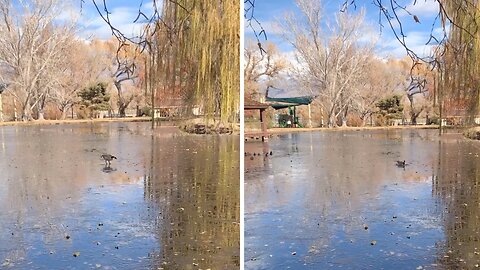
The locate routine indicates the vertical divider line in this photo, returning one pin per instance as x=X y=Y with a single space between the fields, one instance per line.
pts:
x=242 y=136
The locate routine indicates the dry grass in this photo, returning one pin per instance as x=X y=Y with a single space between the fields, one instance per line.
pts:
x=212 y=126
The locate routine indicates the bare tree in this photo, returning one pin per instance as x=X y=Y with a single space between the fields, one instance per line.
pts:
x=32 y=42
x=454 y=34
x=122 y=74
x=80 y=68
x=123 y=64
x=330 y=62
x=260 y=66
x=203 y=39
x=416 y=87
x=3 y=86
x=381 y=79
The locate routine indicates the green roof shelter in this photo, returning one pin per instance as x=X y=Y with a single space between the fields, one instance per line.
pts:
x=290 y=102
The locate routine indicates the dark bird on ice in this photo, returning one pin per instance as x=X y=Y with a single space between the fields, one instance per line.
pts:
x=401 y=164
x=108 y=158
x=416 y=19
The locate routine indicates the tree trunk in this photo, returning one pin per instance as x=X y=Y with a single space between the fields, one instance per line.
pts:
x=1 y=108
x=309 y=116
x=121 y=109
x=64 y=113
x=121 y=100
x=26 y=113
x=344 y=117
x=332 y=122
x=41 y=110
x=15 y=116
x=413 y=117
x=364 y=120
x=322 y=124
x=41 y=116
x=38 y=106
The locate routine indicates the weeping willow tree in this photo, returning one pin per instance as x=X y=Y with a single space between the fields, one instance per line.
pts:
x=459 y=76
x=192 y=48
x=203 y=56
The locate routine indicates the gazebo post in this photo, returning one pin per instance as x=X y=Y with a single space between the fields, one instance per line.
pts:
x=294 y=116
x=309 y=116
x=263 y=124
x=261 y=108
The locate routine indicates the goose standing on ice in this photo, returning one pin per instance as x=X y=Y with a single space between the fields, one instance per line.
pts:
x=108 y=158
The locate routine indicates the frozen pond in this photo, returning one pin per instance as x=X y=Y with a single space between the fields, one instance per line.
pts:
x=338 y=200
x=170 y=201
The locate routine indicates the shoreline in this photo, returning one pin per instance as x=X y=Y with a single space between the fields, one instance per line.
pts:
x=273 y=131
x=236 y=130
x=290 y=130
x=76 y=121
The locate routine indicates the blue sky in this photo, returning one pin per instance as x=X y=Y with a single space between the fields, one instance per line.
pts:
x=123 y=13
x=269 y=12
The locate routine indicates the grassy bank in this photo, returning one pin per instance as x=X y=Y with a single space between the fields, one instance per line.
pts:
x=212 y=126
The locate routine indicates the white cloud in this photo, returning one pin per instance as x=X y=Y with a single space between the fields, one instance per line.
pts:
x=270 y=27
x=121 y=18
x=400 y=51
x=291 y=58
x=69 y=13
x=370 y=36
x=421 y=8
x=415 y=41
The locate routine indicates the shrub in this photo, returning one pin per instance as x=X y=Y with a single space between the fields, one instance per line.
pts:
x=94 y=99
